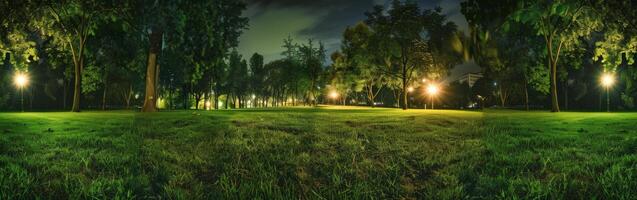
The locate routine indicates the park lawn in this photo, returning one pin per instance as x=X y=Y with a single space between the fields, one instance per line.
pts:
x=318 y=153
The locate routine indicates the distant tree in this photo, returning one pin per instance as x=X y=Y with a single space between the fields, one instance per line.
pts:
x=400 y=29
x=312 y=59
x=237 y=82
x=342 y=76
x=257 y=76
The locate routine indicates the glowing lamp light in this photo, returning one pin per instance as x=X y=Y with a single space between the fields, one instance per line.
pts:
x=21 y=80
x=410 y=89
x=333 y=95
x=432 y=89
x=607 y=80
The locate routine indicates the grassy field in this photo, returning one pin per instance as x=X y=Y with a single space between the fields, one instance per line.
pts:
x=322 y=153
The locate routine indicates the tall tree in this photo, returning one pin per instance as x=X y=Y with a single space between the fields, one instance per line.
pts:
x=402 y=30
x=360 y=55
x=561 y=23
x=257 y=77
x=70 y=23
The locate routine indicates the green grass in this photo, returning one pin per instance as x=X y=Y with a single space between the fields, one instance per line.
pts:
x=323 y=153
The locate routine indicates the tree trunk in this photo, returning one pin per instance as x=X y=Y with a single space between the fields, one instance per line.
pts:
x=65 y=94
x=197 y=100
x=555 y=107
x=216 y=100
x=150 y=99
x=226 y=104
x=79 y=66
x=552 y=61
x=77 y=88
x=397 y=93
x=404 y=106
x=104 y=95
x=526 y=96
x=186 y=96
x=130 y=95
x=566 y=95
x=503 y=96
x=313 y=101
x=370 y=96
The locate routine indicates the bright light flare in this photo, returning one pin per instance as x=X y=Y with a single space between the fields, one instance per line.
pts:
x=607 y=80
x=410 y=89
x=333 y=95
x=21 y=80
x=433 y=89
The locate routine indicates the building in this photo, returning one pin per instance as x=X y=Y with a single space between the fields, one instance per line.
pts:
x=470 y=78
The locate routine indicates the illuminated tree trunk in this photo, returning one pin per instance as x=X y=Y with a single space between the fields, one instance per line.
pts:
x=104 y=95
x=404 y=106
x=129 y=96
x=552 y=61
x=78 y=61
x=77 y=88
x=526 y=95
x=555 y=107
x=150 y=99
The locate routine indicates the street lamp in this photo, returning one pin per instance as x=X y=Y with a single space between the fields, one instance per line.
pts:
x=607 y=81
x=21 y=80
x=432 y=90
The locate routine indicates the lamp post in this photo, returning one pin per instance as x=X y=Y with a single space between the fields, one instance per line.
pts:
x=432 y=90
x=607 y=81
x=21 y=80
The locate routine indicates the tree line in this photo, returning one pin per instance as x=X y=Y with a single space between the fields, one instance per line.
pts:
x=555 y=49
x=182 y=54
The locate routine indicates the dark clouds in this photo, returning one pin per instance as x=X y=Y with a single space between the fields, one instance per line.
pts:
x=273 y=20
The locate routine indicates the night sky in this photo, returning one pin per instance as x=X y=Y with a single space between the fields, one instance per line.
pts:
x=324 y=20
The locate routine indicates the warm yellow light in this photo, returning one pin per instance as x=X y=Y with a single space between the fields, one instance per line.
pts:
x=410 y=89
x=608 y=80
x=333 y=95
x=21 y=80
x=432 y=89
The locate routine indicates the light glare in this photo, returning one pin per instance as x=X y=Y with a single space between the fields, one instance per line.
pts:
x=333 y=95
x=608 y=80
x=21 y=80
x=432 y=89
